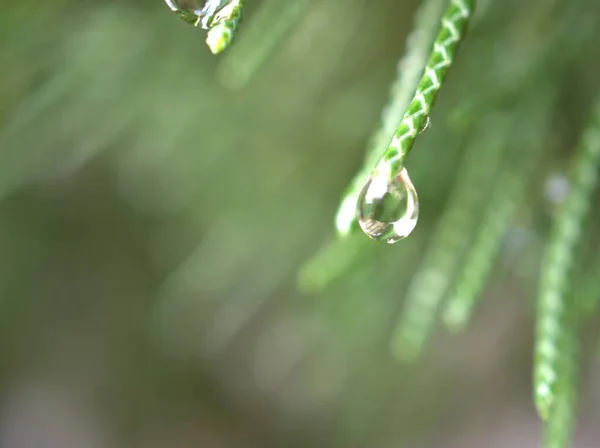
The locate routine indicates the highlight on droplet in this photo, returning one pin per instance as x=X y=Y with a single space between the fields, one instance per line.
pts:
x=196 y=12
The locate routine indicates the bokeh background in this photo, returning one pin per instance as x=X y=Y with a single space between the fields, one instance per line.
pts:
x=153 y=221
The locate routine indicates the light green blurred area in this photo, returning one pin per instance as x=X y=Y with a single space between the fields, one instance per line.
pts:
x=152 y=223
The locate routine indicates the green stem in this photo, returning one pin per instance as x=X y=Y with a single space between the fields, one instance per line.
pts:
x=453 y=26
x=410 y=70
x=557 y=263
x=558 y=430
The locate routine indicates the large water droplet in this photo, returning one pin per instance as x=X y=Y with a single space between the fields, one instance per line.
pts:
x=196 y=12
x=388 y=206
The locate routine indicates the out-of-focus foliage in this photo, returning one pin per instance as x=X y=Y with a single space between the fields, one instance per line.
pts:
x=152 y=224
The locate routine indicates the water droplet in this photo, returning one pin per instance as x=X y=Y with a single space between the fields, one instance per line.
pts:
x=388 y=206
x=196 y=12
x=425 y=125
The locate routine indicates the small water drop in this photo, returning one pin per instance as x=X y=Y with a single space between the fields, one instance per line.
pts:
x=426 y=125
x=388 y=206
x=196 y=12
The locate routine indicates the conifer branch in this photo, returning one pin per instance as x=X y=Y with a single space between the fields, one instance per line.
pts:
x=410 y=70
x=556 y=267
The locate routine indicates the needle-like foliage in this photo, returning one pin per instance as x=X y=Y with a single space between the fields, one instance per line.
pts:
x=157 y=199
x=553 y=332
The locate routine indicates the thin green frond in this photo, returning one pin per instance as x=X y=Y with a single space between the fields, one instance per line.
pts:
x=558 y=430
x=556 y=266
x=453 y=27
x=388 y=207
x=410 y=70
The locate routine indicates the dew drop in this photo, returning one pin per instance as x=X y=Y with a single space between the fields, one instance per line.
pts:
x=196 y=12
x=425 y=125
x=388 y=206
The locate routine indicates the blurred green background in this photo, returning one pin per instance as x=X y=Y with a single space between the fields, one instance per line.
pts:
x=152 y=223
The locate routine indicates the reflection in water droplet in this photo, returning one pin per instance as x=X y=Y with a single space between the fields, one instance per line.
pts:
x=426 y=125
x=196 y=12
x=388 y=210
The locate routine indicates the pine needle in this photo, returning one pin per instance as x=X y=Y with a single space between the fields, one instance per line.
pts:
x=410 y=69
x=553 y=308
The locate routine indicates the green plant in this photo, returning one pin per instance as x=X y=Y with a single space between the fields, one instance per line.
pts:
x=157 y=203
x=494 y=175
